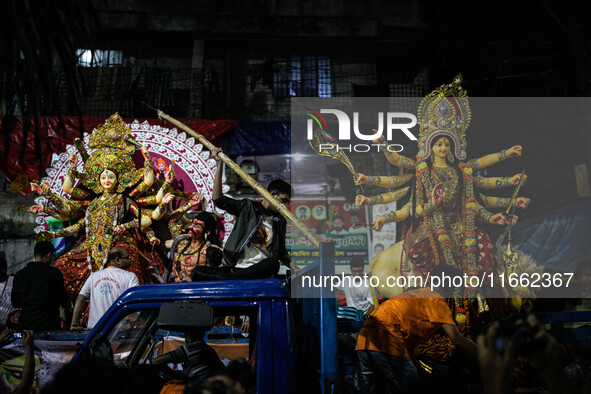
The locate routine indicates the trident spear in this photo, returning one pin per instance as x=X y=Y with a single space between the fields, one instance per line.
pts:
x=279 y=207
x=509 y=257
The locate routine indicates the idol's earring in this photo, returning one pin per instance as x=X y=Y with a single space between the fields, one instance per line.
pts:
x=450 y=157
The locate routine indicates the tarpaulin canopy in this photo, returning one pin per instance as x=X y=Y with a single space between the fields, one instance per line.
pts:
x=559 y=240
x=261 y=138
x=24 y=156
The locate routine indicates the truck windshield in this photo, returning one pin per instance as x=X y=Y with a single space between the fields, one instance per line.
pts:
x=137 y=339
x=129 y=331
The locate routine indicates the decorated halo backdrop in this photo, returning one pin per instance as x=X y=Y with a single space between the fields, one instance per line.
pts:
x=194 y=166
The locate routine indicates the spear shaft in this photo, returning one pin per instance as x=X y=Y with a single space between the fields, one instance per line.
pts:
x=279 y=207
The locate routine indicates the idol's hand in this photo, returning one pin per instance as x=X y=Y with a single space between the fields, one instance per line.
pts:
x=515 y=179
x=119 y=229
x=522 y=202
x=378 y=224
x=168 y=197
x=73 y=160
x=361 y=200
x=36 y=188
x=500 y=219
x=380 y=140
x=170 y=175
x=514 y=151
x=360 y=179
x=154 y=241
x=35 y=209
x=513 y=221
x=145 y=152
x=438 y=194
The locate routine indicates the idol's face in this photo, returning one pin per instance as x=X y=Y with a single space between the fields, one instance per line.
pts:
x=441 y=147
x=108 y=180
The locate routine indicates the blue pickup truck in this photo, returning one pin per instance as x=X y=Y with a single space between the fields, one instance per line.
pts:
x=291 y=342
x=131 y=331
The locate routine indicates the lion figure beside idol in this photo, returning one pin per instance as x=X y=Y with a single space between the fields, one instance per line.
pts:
x=446 y=203
x=112 y=203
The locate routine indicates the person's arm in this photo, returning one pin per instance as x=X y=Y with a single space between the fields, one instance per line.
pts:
x=164 y=359
x=77 y=315
x=495 y=369
x=461 y=342
x=545 y=360
x=29 y=369
x=286 y=260
x=174 y=356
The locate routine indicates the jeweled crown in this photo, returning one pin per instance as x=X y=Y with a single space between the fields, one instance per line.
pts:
x=444 y=112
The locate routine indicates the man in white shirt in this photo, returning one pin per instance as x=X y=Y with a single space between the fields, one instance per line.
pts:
x=103 y=287
x=358 y=297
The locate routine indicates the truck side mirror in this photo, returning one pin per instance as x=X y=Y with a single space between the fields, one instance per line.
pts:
x=185 y=316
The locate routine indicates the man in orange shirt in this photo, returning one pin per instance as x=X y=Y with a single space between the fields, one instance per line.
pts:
x=397 y=326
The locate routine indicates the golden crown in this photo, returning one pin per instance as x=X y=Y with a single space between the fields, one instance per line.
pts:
x=444 y=112
x=114 y=146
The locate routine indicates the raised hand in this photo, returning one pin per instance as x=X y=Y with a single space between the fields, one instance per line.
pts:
x=522 y=202
x=28 y=339
x=378 y=224
x=145 y=152
x=515 y=179
x=360 y=179
x=170 y=175
x=35 y=209
x=361 y=200
x=73 y=160
x=437 y=195
x=168 y=197
x=381 y=139
x=118 y=230
x=36 y=188
x=154 y=241
x=501 y=219
x=514 y=151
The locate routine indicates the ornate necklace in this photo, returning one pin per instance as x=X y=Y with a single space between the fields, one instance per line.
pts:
x=191 y=251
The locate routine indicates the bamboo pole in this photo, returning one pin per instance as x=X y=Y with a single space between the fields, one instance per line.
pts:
x=279 y=207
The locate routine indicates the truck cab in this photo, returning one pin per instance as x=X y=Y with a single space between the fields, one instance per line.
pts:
x=129 y=332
